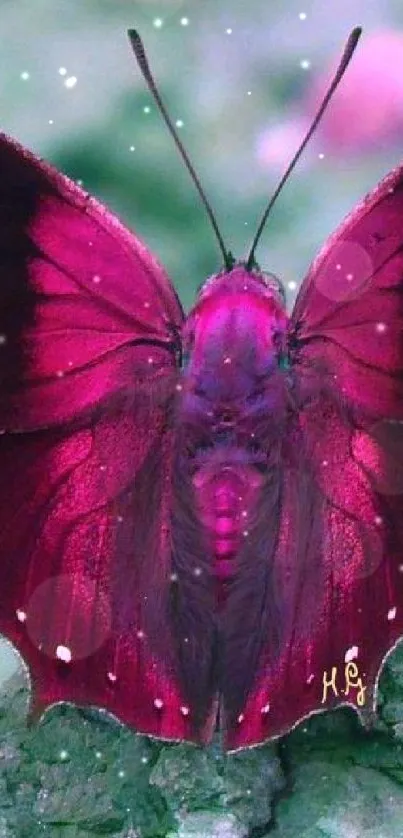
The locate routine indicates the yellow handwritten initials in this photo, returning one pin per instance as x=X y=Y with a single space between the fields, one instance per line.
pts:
x=350 y=673
x=331 y=682
x=352 y=679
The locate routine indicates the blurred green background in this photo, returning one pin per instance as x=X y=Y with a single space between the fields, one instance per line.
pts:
x=228 y=70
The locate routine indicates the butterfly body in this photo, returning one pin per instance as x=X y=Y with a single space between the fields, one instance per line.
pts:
x=231 y=383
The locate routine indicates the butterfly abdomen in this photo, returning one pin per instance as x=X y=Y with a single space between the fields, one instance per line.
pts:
x=226 y=486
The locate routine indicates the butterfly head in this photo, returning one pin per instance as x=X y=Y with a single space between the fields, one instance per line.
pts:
x=234 y=337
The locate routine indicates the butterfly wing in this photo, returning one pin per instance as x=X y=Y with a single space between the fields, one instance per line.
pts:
x=89 y=326
x=328 y=569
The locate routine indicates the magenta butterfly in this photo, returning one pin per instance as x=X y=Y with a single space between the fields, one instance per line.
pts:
x=201 y=519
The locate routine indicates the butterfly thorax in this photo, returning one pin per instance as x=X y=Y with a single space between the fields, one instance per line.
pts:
x=231 y=405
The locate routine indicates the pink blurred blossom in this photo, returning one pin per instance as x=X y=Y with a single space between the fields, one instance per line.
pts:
x=365 y=113
x=367 y=109
x=276 y=146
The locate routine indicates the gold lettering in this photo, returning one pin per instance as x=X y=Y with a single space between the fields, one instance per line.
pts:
x=329 y=683
x=352 y=679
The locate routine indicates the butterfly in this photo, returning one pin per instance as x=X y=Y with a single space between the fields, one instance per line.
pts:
x=200 y=517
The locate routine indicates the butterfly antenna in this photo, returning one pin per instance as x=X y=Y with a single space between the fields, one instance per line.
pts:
x=139 y=51
x=345 y=60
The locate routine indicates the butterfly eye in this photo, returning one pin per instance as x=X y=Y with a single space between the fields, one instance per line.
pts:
x=284 y=361
x=185 y=358
x=278 y=343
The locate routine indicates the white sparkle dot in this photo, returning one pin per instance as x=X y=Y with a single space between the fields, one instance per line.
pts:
x=119 y=519
x=178 y=387
x=184 y=21
x=325 y=462
x=245 y=533
x=140 y=634
x=292 y=285
x=321 y=156
x=392 y=613
x=349 y=277
x=240 y=718
x=132 y=148
x=144 y=760
x=351 y=654
x=146 y=109
x=60 y=373
x=244 y=513
x=63 y=653
x=197 y=571
x=227 y=360
x=378 y=520
x=112 y=677
x=338 y=267
x=380 y=327
x=21 y=615
x=229 y=31
x=63 y=755
x=179 y=123
x=147 y=305
x=158 y=703
x=186 y=640
x=302 y=15
x=50 y=121
x=249 y=94
x=305 y=64
x=98 y=754
x=121 y=773
x=158 y=22
x=174 y=577
x=265 y=709
x=400 y=568
x=70 y=82
x=96 y=278
x=184 y=710
x=62 y=71
x=24 y=75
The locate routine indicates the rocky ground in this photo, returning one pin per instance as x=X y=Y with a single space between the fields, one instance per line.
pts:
x=80 y=775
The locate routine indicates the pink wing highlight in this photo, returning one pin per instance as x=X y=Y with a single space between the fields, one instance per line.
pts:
x=89 y=324
x=349 y=313
x=325 y=596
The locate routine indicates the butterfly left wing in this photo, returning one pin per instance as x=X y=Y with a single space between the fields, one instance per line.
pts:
x=89 y=326
x=328 y=545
